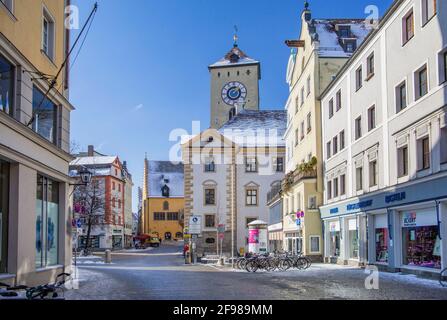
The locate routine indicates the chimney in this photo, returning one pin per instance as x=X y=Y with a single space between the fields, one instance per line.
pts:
x=91 y=151
x=125 y=165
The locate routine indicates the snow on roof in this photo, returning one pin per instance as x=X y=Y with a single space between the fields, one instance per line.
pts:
x=329 y=42
x=257 y=128
x=92 y=161
x=233 y=58
x=165 y=173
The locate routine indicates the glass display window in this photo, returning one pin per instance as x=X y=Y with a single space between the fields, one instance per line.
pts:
x=353 y=236
x=334 y=238
x=381 y=238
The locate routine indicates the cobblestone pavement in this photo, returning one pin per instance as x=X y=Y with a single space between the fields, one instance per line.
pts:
x=161 y=274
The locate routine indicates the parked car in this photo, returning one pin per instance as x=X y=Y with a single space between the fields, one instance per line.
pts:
x=153 y=242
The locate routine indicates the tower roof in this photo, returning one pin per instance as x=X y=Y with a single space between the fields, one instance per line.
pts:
x=234 y=57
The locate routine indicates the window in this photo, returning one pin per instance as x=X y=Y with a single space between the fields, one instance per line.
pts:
x=331 y=108
x=251 y=197
x=402 y=161
x=119 y=203
x=314 y=244
x=358 y=78
x=329 y=190
x=165 y=191
x=48 y=34
x=210 y=165
x=302 y=95
x=172 y=216
x=444 y=145
x=372 y=118
x=344 y=31
x=335 y=187
x=297 y=136
x=119 y=188
x=249 y=220
x=328 y=149
x=210 y=221
x=408 y=27
x=442 y=66
x=359 y=178
x=373 y=174
x=6 y=86
x=4 y=197
x=423 y=146
x=338 y=98
x=312 y=202
x=210 y=197
x=421 y=82
x=342 y=140
x=428 y=10
x=308 y=85
x=47 y=223
x=45 y=116
x=358 y=128
x=278 y=164
x=251 y=164
x=159 y=216
x=309 y=122
x=401 y=97
x=370 y=65
x=113 y=185
x=166 y=205
x=297 y=104
x=302 y=130
x=335 y=145
x=8 y=4
x=343 y=185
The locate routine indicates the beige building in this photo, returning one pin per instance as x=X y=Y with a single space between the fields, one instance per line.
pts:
x=323 y=48
x=35 y=244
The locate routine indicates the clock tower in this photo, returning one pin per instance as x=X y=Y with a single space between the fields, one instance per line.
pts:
x=234 y=86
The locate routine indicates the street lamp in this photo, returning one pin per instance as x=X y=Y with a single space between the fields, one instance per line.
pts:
x=86 y=177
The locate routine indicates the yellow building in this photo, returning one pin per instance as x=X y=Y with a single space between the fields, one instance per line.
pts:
x=323 y=48
x=163 y=200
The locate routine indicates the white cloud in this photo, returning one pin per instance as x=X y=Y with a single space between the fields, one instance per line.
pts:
x=138 y=107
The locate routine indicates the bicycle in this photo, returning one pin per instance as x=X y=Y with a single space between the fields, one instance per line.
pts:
x=443 y=278
x=52 y=291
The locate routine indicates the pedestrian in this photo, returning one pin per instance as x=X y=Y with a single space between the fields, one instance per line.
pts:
x=185 y=250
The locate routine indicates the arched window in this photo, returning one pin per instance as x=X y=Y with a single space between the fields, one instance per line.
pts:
x=166 y=205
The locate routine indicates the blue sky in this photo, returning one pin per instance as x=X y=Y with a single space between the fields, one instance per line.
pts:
x=143 y=69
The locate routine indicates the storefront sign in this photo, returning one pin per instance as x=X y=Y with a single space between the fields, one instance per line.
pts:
x=334 y=211
x=419 y=218
x=409 y=219
x=360 y=205
x=396 y=197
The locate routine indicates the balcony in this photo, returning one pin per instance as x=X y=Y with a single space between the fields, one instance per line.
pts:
x=274 y=193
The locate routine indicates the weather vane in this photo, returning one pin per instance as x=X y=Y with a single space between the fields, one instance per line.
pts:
x=235 y=37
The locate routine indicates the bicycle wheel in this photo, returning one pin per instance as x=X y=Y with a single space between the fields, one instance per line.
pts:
x=301 y=263
x=286 y=264
x=252 y=266
x=443 y=278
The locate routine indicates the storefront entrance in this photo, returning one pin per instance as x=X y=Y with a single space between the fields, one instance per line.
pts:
x=353 y=239
x=381 y=238
x=294 y=244
x=117 y=242
x=421 y=243
x=4 y=196
x=334 y=238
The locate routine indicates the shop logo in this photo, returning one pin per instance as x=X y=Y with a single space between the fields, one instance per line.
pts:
x=410 y=219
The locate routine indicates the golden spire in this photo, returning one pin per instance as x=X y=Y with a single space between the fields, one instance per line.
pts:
x=235 y=37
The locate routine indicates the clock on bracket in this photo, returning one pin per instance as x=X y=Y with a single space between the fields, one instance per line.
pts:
x=233 y=93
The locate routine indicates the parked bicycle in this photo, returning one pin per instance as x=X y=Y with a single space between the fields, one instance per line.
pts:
x=273 y=262
x=51 y=291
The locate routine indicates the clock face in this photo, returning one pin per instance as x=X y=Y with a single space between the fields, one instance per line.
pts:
x=233 y=93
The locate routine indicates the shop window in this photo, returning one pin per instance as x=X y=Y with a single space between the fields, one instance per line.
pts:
x=334 y=238
x=428 y=10
x=210 y=197
x=373 y=174
x=421 y=82
x=314 y=244
x=420 y=240
x=401 y=97
x=407 y=27
x=353 y=236
x=45 y=116
x=47 y=223
x=210 y=221
x=6 y=86
x=402 y=161
x=381 y=240
x=4 y=196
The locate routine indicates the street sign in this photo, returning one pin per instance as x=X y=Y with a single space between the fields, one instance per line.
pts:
x=221 y=236
x=79 y=223
x=221 y=228
x=195 y=225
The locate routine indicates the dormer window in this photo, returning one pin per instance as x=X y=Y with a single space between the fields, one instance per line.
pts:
x=350 y=46
x=165 y=191
x=344 y=32
x=234 y=58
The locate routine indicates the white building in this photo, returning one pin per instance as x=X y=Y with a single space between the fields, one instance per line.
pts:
x=385 y=145
x=228 y=173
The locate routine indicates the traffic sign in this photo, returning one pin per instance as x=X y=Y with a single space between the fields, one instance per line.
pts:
x=195 y=225
x=79 y=223
x=221 y=228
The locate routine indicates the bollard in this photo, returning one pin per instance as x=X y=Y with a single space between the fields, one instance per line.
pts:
x=108 y=256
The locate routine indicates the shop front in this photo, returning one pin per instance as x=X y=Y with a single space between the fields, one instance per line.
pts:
x=293 y=242
x=400 y=229
x=276 y=237
x=4 y=196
